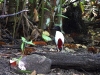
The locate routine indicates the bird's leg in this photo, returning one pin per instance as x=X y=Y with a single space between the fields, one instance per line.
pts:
x=57 y=49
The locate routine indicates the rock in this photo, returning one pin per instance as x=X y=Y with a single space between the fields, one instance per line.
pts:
x=39 y=63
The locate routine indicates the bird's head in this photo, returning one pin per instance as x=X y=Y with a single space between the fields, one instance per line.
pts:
x=57 y=28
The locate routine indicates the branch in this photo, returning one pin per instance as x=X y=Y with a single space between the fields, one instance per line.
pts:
x=3 y=16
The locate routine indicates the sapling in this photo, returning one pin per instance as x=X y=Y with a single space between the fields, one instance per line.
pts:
x=15 y=61
x=24 y=43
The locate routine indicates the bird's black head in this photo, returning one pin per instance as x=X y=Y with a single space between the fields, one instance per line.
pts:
x=57 y=28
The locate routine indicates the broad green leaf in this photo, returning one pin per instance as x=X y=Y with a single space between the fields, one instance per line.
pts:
x=27 y=42
x=23 y=39
x=46 y=38
x=61 y=15
x=30 y=42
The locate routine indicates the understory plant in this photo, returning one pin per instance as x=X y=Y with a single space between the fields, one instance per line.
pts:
x=15 y=61
x=24 y=43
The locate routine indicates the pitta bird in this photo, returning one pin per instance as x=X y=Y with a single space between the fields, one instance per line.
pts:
x=59 y=38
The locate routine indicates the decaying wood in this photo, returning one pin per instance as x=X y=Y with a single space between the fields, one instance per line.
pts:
x=88 y=62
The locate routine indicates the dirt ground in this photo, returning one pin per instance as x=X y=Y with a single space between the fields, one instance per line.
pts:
x=8 y=52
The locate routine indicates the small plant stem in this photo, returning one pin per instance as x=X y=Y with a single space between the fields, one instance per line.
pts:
x=60 y=12
x=42 y=16
x=92 y=37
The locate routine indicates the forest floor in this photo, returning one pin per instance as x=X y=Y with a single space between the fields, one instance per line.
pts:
x=78 y=44
x=12 y=51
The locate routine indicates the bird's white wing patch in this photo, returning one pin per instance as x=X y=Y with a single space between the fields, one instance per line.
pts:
x=59 y=35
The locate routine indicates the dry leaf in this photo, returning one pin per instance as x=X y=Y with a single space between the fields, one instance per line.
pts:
x=74 y=35
x=92 y=49
x=35 y=34
x=35 y=18
x=39 y=43
x=33 y=73
x=13 y=64
x=2 y=43
x=72 y=46
x=28 y=50
x=81 y=46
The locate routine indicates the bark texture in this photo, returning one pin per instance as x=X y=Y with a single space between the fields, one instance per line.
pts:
x=89 y=62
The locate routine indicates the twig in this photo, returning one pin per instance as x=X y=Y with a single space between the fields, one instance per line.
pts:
x=3 y=16
x=30 y=23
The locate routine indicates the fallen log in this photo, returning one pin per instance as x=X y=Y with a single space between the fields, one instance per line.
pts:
x=88 y=62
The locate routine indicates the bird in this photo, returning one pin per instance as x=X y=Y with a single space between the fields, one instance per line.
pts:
x=59 y=38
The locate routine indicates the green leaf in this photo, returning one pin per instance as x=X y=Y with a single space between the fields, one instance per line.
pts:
x=1 y=0
x=82 y=6
x=46 y=9
x=19 y=59
x=26 y=71
x=30 y=42
x=46 y=33
x=57 y=24
x=23 y=39
x=27 y=42
x=61 y=15
x=48 y=3
x=46 y=38
x=31 y=1
x=93 y=0
x=15 y=59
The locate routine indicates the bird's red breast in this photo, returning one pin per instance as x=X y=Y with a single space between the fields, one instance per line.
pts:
x=60 y=43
